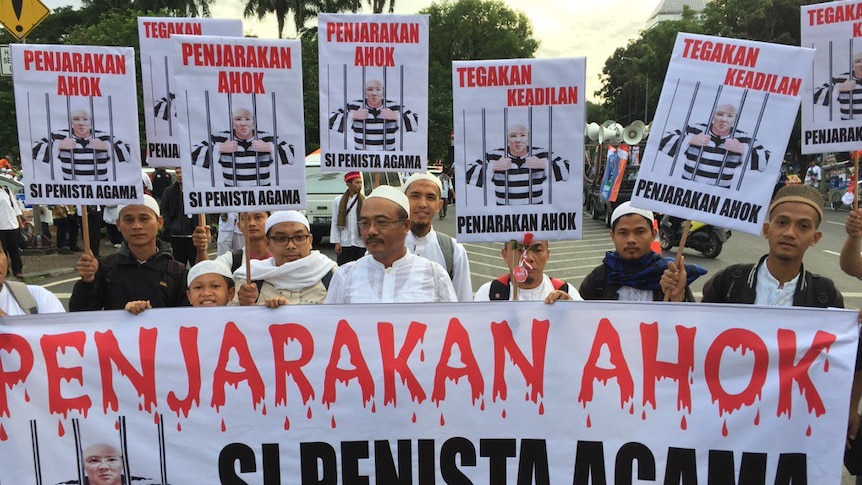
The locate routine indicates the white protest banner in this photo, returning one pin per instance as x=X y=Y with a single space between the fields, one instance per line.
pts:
x=78 y=144
x=240 y=109
x=832 y=106
x=519 y=153
x=468 y=393
x=373 y=92
x=160 y=106
x=720 y=130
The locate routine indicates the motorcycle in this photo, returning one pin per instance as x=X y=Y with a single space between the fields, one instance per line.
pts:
x=706 y=238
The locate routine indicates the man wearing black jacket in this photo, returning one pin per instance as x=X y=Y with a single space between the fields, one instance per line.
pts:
x=143 y=268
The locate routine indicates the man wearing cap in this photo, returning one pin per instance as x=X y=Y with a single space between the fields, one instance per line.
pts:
x=343 y=232
x=424 y=191
x=633 y=271
x=526 y=260
x=142 y=269
x=779 y=278
x=389 y=273
x=295 y=274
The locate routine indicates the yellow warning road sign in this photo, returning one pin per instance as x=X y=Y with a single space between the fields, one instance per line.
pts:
x=20 y=17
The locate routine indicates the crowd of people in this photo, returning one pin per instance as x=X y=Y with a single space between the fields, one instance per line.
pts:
x=389 y=252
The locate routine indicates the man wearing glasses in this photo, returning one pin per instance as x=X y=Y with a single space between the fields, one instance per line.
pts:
x=294 y=274
x=389 y=273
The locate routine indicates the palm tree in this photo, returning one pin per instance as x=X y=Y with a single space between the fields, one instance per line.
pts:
x=183 y=8
x=303 y=10
x=377 y=5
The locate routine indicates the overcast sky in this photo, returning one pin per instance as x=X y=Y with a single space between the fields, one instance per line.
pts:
x=565 y=28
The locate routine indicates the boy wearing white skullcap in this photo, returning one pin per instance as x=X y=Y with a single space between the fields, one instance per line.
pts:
x=209 y=284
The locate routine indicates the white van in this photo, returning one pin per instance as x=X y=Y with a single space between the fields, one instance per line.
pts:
x=323 y=187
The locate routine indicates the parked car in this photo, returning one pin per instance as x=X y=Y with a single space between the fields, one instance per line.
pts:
x=322 y=188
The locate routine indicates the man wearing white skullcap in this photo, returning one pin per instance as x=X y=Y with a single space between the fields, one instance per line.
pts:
x=142 y=269
x=424 y=191
x=389 y=273
x=293 y=274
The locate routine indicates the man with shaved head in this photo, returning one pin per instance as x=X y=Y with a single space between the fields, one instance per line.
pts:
x=103 y=465
x=244 y=153
x=714 y=153
x=376 y=120
x=85 y=154
x=518 y=172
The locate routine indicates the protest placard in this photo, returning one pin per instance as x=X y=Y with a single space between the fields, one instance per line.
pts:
x=518 y=166
x=717 y=143
x=832 y=101
x=157 y=77
x=240 y=110
x=474 y=393
x=373 y=92
x=77 y=147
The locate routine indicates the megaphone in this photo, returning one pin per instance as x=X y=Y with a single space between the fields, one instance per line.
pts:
x=646 y=130
x=634 y=133
x=593 y=130
x=608 y=124
x=616 y=133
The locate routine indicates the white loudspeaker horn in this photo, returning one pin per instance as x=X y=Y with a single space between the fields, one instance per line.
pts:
x=634 y=133
x=607 y=135
x=609 y=124
x=617 y=136
x=646 y=130
x=593 y=130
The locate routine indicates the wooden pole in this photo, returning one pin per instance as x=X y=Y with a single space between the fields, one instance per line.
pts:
x=85 y=223
x=686 y=227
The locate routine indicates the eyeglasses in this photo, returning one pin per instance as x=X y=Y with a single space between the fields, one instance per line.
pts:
x=297 y=239
x=382 y=224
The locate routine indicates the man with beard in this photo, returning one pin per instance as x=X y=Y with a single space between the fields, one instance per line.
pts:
x=295 y=274
x=424 y=191
x=526 y=261
x=389 y=273
x=633 y=271
x=714 y=153
x=343 y=230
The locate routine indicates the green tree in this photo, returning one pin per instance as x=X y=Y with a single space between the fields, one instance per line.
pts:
x=302 y=11
x=173 y=8
x=467 y=30
x=632 y=77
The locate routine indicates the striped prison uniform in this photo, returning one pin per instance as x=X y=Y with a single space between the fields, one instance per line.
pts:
x=161 y=110
x=713 y=155
x=82 y=163
x=369 y=134
x=245 y=167
x=821 y=96
x=517 y=179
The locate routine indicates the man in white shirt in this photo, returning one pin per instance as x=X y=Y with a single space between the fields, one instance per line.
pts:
x=813 y=175
x=389 y=273
x=13 y=300
x=11 y=222
x=424 y=191
x=526 y=261
x=343 y=232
